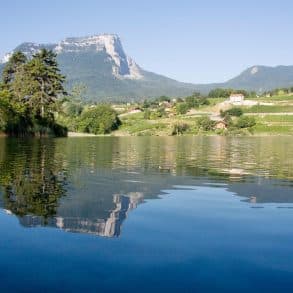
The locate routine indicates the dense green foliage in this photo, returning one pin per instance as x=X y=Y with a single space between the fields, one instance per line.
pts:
x=182 y=108
x=235 y=111
x=11 y=68
x=164 y=99
x=158 y=113
x=220 y=93
x=99 y=119
x=179 y=128
x=279 y=92
x=245 y=122
x=192 y=102
x=28 y=95
x=205 y=123
x=225 y=93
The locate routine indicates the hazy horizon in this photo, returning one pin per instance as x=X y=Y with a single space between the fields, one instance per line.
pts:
x=191 y=42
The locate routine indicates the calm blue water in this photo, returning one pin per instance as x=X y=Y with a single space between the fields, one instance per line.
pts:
x=146 y=215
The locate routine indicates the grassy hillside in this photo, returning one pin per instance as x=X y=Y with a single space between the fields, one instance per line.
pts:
x=273 y=119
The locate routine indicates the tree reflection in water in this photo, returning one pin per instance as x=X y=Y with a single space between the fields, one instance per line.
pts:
x=32 y=178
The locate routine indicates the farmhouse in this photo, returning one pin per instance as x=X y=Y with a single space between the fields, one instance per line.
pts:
x=221 y=125
x=236 y=98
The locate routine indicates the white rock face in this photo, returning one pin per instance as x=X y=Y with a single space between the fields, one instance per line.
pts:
x=123 y=66
x=5 y=58
x=254 y=70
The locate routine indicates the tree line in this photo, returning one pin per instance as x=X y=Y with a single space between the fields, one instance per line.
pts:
x=34 y=102
x=29 y=90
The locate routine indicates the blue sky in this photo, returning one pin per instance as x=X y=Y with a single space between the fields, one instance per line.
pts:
x=192 y=41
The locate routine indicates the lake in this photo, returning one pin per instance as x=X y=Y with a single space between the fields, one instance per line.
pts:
x=146 y=214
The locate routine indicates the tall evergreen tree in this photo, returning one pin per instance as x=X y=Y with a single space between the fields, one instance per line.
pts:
x=47 y=79
x=17 y=60
x=40 y=83
x=28 y=95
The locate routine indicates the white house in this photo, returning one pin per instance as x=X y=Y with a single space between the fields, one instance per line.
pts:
x=236 y=98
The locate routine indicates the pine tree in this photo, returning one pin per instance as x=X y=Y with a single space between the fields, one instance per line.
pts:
x=39 y=83
x=47 y=78
x=17 y=60
x=28 y=94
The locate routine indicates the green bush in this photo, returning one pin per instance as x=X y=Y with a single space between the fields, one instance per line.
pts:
x=235 y=111
x=192 y=102
x=220 y=93
x=203 y=101
x=164 y=99
x=59 y=130
x=146 y=104
x=71 y=109
x=179 y=128
x=205 y=123
x=182 y=108
x=159 y=113
x=225 y=93
x=100 y=119
x=245 y=122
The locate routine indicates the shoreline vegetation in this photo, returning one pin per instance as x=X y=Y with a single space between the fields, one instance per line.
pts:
x=34 y=103
x=29 y=91
x=84 y=134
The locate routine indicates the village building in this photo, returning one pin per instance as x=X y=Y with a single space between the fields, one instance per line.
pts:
x=236 y=98
x=220 y=125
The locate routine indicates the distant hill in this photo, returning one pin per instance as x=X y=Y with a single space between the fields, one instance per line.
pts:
x=262 y=78
x=101 y=64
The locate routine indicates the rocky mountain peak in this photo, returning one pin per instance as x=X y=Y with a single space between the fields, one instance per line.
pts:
x=254 y=70
x=123 y=67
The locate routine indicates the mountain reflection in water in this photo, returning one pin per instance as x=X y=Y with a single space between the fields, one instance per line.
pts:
x=89 y=185
x=109 y=227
